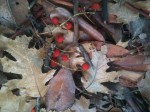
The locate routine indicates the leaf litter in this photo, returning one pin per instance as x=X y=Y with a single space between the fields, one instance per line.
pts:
x=33 y=79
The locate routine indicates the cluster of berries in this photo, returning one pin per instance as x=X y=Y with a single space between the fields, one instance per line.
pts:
x=65 y=58
x=68 y=25
x=60 y=39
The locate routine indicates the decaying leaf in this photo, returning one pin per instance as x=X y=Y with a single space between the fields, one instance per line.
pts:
x=82 y=105
x=28 y=65
x=61 y=93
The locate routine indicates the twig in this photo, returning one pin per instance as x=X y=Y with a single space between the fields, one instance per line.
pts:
x=76 y=26
x=85 y=55
x=90 y=30
x=62 y=3
x=78 y=14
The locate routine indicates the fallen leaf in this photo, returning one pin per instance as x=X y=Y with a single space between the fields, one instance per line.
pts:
x=61 y=93
x=124 y=15
x=82 y=105
x=28 y=65
x=116 y=51
x=143 y=85
x=143 y=5
x=138 y=63
x=12 y=103
x=99 y=74
x=129 y=78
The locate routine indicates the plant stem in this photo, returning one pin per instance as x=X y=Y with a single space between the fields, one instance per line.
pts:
x=76 y=26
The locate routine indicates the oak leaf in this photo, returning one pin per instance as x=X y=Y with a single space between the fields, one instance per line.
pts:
x=28 y=65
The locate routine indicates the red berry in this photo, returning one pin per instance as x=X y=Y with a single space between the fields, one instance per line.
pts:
x=55 y=21
x=85 y=66
x=56 y=53
x=60 y=38
x=68 y=25
x=64 y=57
x=53 y=62
x=95 y=6
x=33 y=110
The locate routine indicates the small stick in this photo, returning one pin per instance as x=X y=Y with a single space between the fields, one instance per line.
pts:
x=63 y=3
x=76 y=26
x=85 y=55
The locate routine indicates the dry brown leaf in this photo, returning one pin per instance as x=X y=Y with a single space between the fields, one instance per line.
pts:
x=144 y=86
x=116 y=51
x=61 y=93
x=123 y=14
x=139 y=63
x=28 y=64
x=110 y=49
x=12 y=103
x=82 y=105
x=145 y=5
x=98 y=74
x=129 y=78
